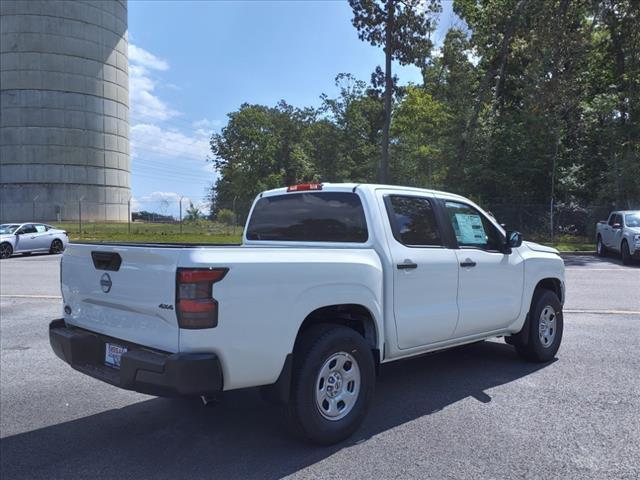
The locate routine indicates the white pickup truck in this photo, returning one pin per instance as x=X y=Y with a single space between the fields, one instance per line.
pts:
x=330 y=282
x=620 y=233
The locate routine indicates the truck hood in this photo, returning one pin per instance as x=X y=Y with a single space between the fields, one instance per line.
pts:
x=634 y=229
x=536 y=247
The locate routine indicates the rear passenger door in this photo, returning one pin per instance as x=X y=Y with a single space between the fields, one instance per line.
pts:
x=43 y=237
x=425 y=273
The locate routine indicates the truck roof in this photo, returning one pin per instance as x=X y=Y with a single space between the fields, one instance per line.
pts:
x=342 y=187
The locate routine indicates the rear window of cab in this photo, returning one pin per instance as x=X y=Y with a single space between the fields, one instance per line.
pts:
x=309 y=217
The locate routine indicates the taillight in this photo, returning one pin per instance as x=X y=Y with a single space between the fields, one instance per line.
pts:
x=304 y=187
x=195 y=305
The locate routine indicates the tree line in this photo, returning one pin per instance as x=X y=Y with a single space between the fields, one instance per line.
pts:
x=528 y=102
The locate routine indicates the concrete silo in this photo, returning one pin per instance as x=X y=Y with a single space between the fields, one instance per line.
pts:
x=64 y=110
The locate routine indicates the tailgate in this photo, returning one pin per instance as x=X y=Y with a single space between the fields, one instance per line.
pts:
x=126 y=292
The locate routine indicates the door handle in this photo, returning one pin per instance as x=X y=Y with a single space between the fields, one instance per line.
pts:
x=468 y=263
x=407 y=265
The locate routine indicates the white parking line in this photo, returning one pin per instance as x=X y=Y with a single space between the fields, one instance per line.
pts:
x=53 y=297
x=621 y=269
x=604 y=312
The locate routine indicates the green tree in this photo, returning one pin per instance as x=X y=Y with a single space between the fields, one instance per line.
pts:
x=419 y=132
x=260 y=148
x=403 y=29
x=193 y=213
x=348 y=135
x=227 y=218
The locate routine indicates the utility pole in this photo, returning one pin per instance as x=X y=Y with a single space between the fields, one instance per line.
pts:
x=235 y=217
x=181 y=214
x=129 y=215
x=80 y=216
x=33 y=215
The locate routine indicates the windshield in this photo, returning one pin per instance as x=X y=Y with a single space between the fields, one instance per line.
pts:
x=8 y=228
x=632 y=219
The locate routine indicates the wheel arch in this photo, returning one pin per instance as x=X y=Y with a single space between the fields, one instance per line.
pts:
x=553 y=284
x=351 y=315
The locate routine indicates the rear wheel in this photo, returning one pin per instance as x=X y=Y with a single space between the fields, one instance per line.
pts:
x=56 y=246
x=600 y=249
x=5 y=250
x=625 y=253
x=332 y=385
x=545 y=328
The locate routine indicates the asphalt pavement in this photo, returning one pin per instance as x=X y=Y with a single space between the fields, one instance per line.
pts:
x=468 y=413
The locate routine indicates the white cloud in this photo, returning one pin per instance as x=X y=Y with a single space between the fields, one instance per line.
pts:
x=144 y=58
x=169 y=143
x=145 y=104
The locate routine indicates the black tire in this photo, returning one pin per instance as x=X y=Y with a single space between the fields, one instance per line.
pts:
x=6 y=250
x=600 y=248
x=625 y=253
x=535 y=350
x=314 y=352
x=56 y=247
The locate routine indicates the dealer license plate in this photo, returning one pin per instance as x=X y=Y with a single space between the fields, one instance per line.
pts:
x=113 y=354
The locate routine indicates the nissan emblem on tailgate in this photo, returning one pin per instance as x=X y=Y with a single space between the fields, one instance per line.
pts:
x=105 y=282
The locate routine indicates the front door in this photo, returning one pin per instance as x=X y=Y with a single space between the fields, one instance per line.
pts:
x=491 y=282
x=425 y=273
x=26 y=240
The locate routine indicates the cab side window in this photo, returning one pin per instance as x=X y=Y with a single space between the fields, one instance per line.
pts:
x=615 y=218
x=41 y=228
x=413 y=221
x=472 y=229
x=27 y=229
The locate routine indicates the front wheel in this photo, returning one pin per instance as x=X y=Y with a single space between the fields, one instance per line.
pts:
x=545 y=328
x=6 y=250
x=600 y=250
x=56 y=246
x=625 y=253
x=332 y=385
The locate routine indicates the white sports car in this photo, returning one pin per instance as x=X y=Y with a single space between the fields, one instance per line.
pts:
x=26 y=238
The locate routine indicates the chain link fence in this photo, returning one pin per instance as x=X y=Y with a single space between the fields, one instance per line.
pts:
x=170 y=216
x=166 y=217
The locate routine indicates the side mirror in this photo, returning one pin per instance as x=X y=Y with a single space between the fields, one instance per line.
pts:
x=514 y=239
x=616 y=226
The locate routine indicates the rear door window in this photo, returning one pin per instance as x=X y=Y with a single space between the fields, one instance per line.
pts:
x=413 y=221
x=309 y=217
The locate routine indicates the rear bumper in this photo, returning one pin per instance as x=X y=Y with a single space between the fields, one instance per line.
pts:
x=141 y=369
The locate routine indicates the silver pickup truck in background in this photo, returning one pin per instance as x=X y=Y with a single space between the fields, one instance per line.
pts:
x=620 y=233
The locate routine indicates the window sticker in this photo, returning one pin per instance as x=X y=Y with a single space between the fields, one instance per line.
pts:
x=469 y=229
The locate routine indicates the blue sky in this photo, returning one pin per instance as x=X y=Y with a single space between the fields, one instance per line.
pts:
x=192 y=62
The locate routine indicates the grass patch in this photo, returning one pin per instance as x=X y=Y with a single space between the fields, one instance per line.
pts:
x=198 y=232
x=567 y=243
x=572 y=247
